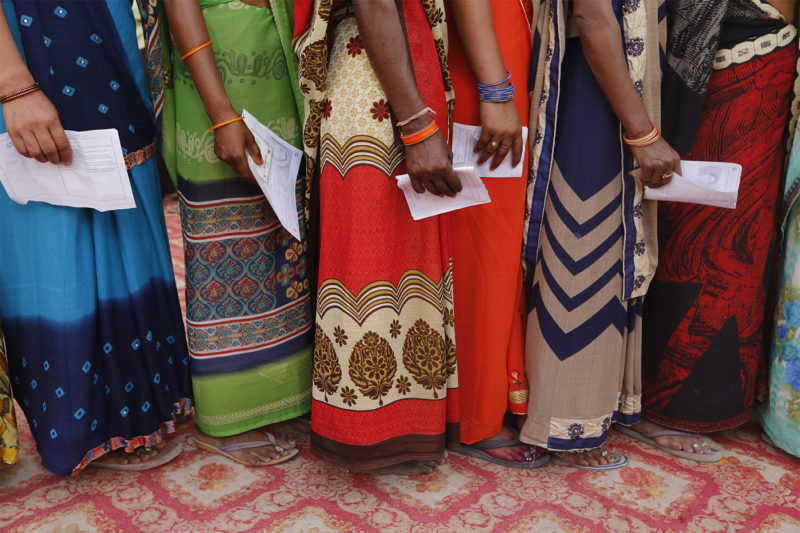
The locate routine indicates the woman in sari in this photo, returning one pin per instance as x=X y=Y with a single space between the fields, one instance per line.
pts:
x=249 y=311
x=88 y=302
x=486 y=239
x=590 y=249
x=727 y=93
x=384 y=396
x=780 y=412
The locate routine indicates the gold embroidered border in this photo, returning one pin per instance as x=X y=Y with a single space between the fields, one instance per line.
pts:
x=333 y=294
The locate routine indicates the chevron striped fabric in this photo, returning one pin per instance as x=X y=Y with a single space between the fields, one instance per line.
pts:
x=589 y=257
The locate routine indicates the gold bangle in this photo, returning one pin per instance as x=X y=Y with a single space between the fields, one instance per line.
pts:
x=231 y=121
x=192 y=52
x=647 y=140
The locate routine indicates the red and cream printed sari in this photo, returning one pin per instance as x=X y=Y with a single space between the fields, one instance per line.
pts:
x=385 y=385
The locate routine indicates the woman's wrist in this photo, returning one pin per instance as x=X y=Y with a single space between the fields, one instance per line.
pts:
x=14 y=79
x=639 y=128
x=418 y=124
x=221 y=111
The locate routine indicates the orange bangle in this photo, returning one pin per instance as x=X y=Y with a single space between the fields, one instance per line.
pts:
x=192 y=52
x=231 y=121
x=421 y=135
x=647 y=140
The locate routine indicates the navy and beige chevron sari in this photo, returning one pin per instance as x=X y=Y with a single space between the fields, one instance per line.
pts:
x=590 y=248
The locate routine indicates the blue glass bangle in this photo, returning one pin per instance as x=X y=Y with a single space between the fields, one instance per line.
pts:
x=487 y=85
x=496 y=95
x=489 y=92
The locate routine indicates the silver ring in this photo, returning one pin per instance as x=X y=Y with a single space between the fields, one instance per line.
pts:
x=504 y=147
x=695 y=445
x=494 y=144
x=705 y=444
x=604 y=453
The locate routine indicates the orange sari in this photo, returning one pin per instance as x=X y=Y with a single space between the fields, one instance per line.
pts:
x=485 y=243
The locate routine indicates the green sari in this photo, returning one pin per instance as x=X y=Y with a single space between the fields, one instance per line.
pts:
x=248 y=305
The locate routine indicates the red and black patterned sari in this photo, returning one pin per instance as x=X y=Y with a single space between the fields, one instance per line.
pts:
x=704 y=314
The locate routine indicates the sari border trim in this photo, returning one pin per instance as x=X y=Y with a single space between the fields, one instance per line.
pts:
x=333 y=294
x=253 y=412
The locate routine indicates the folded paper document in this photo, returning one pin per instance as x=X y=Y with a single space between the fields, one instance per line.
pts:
x=97 y=177
x=277 y=176
x=464 y=139
x=426 y=205
x=702 y=182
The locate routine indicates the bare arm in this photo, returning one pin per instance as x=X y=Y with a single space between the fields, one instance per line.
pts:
x=32 y=120
x=601 y=39
x=500 y=122
x=788 y=9
x=428 y=163
x=231 y=142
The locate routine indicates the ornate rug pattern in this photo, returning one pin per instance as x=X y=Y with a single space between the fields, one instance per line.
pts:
x=755 y=488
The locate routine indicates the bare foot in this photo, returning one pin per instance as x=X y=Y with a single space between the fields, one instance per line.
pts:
x=519 y=453
x=593 y=457
x=252 y=456
x=698 y=444
x=409 y=468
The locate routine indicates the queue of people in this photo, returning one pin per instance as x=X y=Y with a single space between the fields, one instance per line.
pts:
x=513 y=332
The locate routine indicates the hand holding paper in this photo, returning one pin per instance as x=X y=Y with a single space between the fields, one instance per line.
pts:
x=277 y=176
x=97 y=177
x=424 y=205
x=703 y=182
x=464 y=138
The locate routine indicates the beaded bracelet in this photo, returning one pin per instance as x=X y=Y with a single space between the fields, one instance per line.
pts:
x=418 y=137
x=19 y=93
x=190 y=53
x=490 y=92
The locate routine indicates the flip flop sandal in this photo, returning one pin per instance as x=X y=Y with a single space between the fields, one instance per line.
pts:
x=223 y=450
x=477 y=450
x=166 y=454
x=649 y=438
x=615 y=461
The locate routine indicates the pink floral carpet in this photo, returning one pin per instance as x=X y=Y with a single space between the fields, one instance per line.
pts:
x=755 y=488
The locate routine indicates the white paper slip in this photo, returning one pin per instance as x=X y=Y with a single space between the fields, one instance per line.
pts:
x=426 y=205
x=277 y=177
x=702 y=182
x=97 y=177
x=464 y=139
